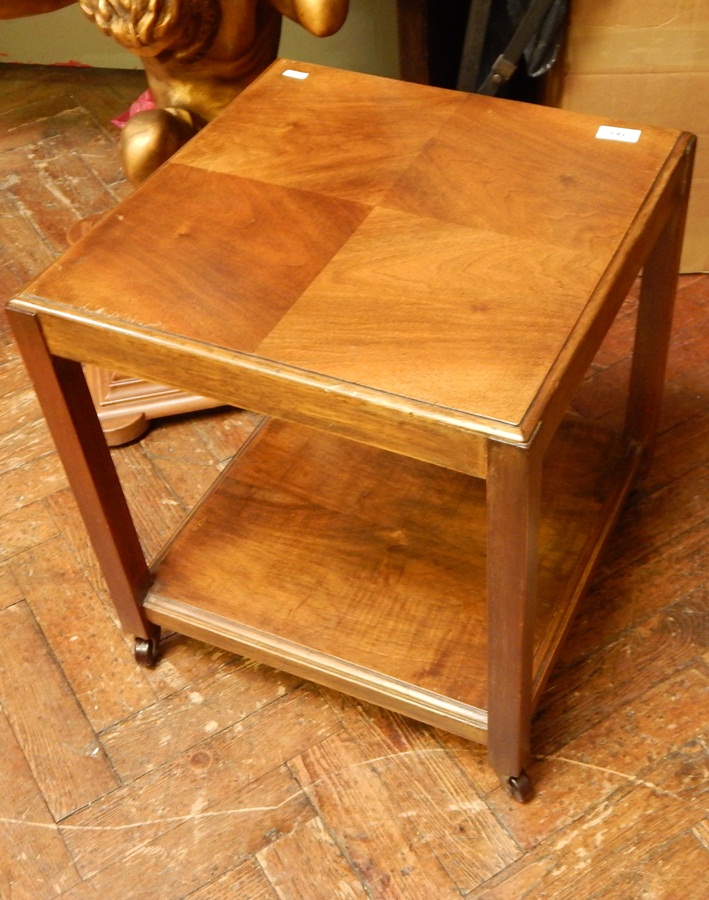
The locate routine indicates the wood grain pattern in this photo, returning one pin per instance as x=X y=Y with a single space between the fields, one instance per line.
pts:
x=63 y=392
x=209 y=839
x=375 y=583
x=623 y=830
x=176 y=793
x=638 y=819
x=49 y=585
x=24 y=527
x=309 y=863
x=346 y=178
x=68 y=762
x=33 y=858
x=246 y=879
x=10 y=592
x=153 y=735
x=492 y=359
x=345 y=788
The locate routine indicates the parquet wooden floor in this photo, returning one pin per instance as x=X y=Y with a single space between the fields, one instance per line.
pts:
x=211 y=777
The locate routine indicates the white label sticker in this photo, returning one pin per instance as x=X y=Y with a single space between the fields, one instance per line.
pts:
x=293 y=73
x=626 y=135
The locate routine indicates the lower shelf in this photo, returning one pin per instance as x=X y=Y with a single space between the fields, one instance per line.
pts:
x=365 y=571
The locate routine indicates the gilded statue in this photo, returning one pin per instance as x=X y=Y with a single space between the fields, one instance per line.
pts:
x=197 y=55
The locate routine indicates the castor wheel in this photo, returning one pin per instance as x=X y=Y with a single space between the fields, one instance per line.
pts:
x=519 y=787
x=146 y=651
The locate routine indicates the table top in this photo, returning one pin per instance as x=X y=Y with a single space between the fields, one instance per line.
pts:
x=433 y=252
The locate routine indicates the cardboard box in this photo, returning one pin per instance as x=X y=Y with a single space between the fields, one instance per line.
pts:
x=644 y=62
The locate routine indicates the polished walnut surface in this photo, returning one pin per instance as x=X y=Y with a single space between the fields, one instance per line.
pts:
x=375 y=559
x=422 y=271
x=375 y=801
x=435 y=253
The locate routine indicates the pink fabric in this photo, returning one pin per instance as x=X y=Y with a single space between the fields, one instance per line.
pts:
x=145 y=101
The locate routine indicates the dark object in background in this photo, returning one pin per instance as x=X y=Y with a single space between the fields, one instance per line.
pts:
x=541 y=52
x=464 y=38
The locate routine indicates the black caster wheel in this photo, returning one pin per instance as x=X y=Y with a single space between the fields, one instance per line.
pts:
x=147 y=651
x=519 y=787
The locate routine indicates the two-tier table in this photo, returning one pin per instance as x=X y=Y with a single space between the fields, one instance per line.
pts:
x=409 y=283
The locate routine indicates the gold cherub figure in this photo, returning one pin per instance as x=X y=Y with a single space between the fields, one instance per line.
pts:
x=197 y=55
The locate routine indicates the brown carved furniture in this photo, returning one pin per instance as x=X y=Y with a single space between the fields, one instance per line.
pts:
x=410 y=283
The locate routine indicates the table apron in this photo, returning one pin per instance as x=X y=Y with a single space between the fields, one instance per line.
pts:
x=435 y=435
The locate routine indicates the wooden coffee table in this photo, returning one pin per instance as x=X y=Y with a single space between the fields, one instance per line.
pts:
x=410 y=283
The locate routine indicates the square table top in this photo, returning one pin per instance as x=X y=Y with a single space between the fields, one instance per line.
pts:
x=430 y=250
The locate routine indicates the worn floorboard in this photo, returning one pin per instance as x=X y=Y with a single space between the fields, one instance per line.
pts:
x=212 y=777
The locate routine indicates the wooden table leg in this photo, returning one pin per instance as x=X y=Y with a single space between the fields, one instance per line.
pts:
x=652 y=337
x=69 y=410
x=513 y=498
